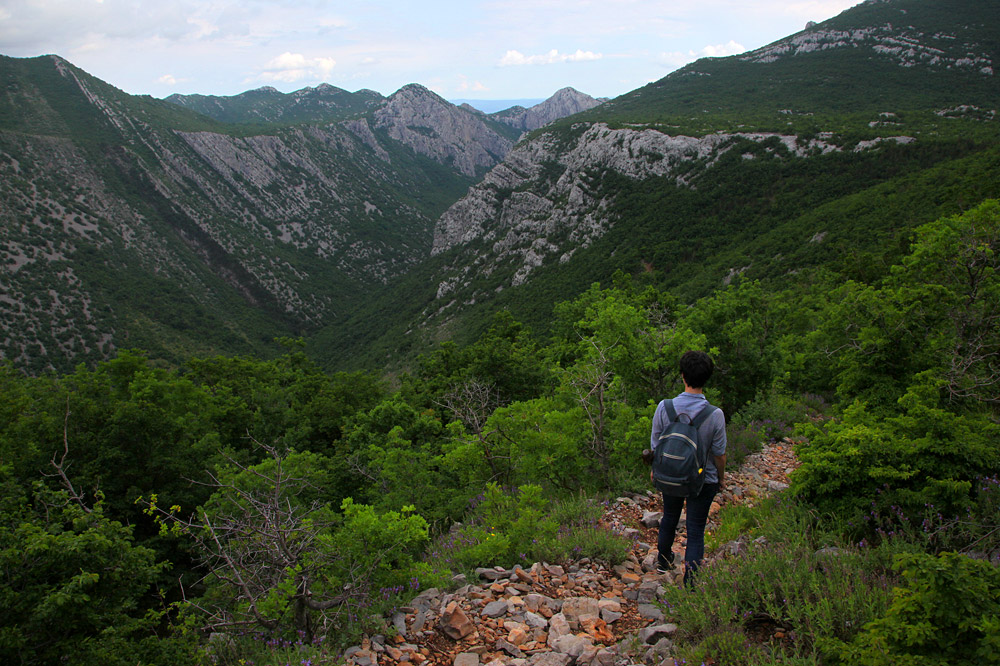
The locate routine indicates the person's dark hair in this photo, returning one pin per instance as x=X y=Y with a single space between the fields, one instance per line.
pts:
x=696 y=367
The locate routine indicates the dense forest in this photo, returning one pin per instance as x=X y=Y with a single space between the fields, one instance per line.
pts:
x=147 y=506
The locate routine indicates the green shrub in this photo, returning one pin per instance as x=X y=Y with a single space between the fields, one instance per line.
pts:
x=74 y=586
x=863 y=464
x=791 y=580
x=519 y=527
x=947 y=612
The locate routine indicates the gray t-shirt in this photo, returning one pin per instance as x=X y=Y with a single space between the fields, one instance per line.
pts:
x=687 y=405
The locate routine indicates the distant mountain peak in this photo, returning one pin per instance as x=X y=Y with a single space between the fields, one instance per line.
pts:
x=564 y=102
x=415 y=90
x=436 y=128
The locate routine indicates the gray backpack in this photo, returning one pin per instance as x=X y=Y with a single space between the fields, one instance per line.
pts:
x=679 y=459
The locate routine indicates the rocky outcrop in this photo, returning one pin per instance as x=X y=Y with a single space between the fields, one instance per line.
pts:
x=906 y=46
x=433 y=127
x=296 y=220
x=540 y=204
x=563 y=103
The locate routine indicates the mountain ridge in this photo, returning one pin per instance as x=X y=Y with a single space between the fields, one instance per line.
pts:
x=230 y=234
x=565 y=188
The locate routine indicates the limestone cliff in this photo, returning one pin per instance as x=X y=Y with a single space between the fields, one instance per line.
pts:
x=431 y=126
x=539 y=205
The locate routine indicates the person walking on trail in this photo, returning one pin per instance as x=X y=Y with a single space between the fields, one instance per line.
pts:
x=696 y=367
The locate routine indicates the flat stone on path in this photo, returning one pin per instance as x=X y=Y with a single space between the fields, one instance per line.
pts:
x=466 y=659
x=495 y=608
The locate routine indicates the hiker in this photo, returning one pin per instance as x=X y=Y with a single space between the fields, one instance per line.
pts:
x=696 y=367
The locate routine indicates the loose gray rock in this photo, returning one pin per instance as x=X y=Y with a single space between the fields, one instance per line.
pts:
x=610 y=616
x=509 y=648
x=558 y=627
x=572 y=645
x=466 y=659
x=651 y=518
x=577 y=608
x=535 y=601
x=551 y=659
x=399 y=623
x=647 y=591
x=660 y=652
x=495 y=609
x=651 y=612
x=535 y=621
x=650 y=635
x=492 y=574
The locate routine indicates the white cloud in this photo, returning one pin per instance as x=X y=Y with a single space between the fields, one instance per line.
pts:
x=723 y=50
x=675 y=59
x=291 y=67
x=168 y=79
x=470 y=86
x=512 y=58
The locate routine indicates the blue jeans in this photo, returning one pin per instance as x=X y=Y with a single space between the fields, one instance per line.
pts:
x=697 y=518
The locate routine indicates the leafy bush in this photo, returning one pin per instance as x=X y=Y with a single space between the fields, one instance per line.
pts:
x=519 y=527
x=925 y=455
x=74 y=586
x=946 y=612
x=790 y=580
x=276 y=557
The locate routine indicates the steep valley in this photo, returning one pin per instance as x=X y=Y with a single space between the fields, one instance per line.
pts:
x=376 y=227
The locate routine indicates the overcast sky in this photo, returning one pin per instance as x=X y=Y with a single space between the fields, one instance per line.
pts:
x=480 y=49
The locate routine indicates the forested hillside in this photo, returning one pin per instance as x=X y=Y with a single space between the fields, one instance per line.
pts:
x=128 y=221
x=826 y=148
x=821 y=215
x=143 y=503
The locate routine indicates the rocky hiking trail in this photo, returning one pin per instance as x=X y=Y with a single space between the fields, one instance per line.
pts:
x=580 y=613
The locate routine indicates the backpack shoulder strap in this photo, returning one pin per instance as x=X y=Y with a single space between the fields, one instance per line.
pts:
x=705 y=412
x=671 y=412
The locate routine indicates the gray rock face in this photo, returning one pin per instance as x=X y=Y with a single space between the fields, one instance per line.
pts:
x=292 y=220
x=563 y=103
x=538 y=205
x=907 y=47
x=433 y=127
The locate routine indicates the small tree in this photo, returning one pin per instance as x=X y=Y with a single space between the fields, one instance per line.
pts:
x=275 y=556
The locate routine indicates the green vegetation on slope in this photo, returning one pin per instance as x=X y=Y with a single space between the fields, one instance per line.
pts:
x=352 y=475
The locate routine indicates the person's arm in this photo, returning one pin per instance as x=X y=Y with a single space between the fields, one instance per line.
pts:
x=659 y=421
x=720 y=466
x=719 y=444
